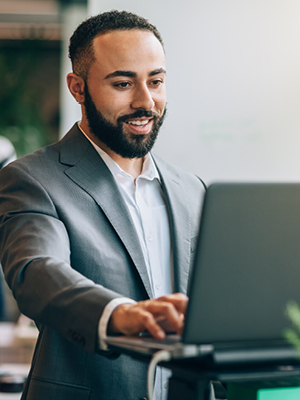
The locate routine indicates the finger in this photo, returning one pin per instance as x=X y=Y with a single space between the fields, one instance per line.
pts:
x=179 y=300
x=132 y=319
x=138 y=320
x=149 y=323
x=158 y=316
x=165 y=311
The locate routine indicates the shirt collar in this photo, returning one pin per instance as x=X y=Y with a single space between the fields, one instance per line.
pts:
x=149 y=170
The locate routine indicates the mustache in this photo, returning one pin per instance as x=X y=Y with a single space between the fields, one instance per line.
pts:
x=139 y=114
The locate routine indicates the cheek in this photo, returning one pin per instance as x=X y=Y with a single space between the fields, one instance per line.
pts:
x=114 y=105
x=107 y=107
x=160 y=100
x=160 y=105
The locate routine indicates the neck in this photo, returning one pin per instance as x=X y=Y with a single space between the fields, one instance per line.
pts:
x=133 y=166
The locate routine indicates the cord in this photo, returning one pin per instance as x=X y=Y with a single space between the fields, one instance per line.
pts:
x=162 y=355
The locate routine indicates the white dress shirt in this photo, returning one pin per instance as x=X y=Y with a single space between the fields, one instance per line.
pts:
x=146 y=203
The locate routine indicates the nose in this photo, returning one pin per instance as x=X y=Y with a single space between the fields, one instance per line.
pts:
x=142 y=98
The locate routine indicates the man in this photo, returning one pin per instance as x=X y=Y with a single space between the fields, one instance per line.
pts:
x=96 y=233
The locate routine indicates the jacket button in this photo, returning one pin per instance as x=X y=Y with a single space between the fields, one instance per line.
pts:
x=76 y=337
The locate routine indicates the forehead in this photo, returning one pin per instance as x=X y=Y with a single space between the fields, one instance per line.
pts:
x=132 y=50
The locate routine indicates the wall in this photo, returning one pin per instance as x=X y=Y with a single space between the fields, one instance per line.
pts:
x=233 y=79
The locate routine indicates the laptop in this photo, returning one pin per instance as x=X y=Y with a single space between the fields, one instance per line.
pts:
x=246 y=271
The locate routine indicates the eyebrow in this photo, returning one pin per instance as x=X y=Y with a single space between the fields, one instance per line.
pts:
x=132 y=74
x=158 y=71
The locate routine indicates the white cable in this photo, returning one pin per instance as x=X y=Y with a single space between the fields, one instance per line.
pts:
x=162 y=355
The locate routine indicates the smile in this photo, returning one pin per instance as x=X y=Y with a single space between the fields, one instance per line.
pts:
x=140 y=126
x=144 y=122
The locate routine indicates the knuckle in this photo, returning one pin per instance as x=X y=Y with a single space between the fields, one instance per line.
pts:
x=146 y=303
x=167 y=307
x=146 y=317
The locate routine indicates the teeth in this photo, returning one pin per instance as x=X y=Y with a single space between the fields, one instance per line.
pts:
x=145 y=122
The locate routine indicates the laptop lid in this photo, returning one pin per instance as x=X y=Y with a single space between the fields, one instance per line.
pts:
x=247 y=265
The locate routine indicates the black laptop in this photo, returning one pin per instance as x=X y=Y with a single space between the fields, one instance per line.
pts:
x=246 y=271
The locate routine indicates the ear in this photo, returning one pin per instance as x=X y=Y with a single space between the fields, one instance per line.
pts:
x=76 y=86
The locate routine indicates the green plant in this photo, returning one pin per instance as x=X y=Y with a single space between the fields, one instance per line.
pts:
x=292 y=335
x=21 y=117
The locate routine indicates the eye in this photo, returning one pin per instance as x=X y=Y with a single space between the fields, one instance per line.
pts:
x=122 y=85
x=156 y=82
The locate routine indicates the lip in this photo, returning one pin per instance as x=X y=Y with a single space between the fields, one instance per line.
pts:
x=140 y=129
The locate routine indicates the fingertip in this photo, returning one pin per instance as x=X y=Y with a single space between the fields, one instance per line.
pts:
x=161 y=334
x=158 y=333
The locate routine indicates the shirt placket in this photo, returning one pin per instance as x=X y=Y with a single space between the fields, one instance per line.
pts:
x=150 y=238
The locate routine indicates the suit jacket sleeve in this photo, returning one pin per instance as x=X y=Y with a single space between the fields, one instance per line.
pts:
x=35 y=253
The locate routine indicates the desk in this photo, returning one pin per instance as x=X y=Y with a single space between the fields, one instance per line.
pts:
x=14 y=369
x=17 y=343
x=10 y=396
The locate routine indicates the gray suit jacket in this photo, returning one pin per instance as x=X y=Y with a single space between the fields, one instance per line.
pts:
x=68 y=246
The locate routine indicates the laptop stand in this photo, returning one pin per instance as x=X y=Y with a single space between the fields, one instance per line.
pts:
x=188 y=382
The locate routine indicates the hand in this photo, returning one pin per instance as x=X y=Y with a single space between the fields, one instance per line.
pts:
x=157 y=316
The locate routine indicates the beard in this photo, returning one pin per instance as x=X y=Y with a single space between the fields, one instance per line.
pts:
x=113 y=136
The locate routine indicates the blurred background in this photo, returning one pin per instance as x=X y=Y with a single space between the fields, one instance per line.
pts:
x=31 y=43
x=32 y=60
x=30 y=35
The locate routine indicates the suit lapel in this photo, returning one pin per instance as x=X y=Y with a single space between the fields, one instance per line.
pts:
x=88 y=171
x=180 y=221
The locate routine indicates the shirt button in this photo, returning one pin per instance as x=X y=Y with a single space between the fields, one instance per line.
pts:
x=166 y=385
x=157 y=286
x=150 y=238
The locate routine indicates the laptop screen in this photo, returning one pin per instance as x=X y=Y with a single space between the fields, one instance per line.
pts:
x=247 y=264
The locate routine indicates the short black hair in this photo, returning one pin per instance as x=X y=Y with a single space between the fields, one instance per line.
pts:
x=81 y=43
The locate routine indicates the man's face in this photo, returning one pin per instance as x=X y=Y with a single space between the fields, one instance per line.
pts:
x=125 y=94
